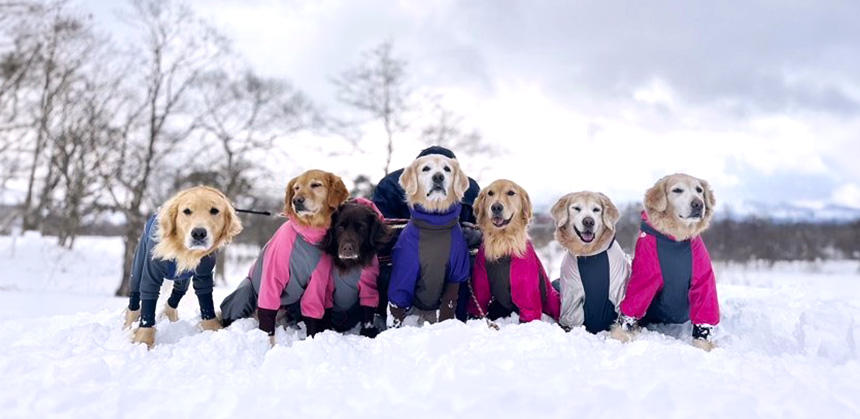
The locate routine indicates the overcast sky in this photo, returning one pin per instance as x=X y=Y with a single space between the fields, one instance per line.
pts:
x=760 y=98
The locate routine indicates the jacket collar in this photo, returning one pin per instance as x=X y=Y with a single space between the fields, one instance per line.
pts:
x=313 y=235
x=447 y=218
x=646 y=227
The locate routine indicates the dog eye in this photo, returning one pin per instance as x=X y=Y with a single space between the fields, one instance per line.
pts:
x=447 y=169
x=577 y=209
x=511 y=193
x=677 y=190
x=214 y=211
x=699 y=189
x=491 y=193
x=596 y=210
x=316 y=185
x=186 y=211
x=426 y=169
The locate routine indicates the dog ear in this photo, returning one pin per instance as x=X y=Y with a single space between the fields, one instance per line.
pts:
x=288 y=198
x=409 y=180
x=610 y=212
x=328 y=244
x=710 y=200
x=232 y=222
x=560 y=212
x=337 y=192
x=380 y=233
x=461 y=181
x=478 y=207
x=526 y=204
x=167 y=217
x=655 y=198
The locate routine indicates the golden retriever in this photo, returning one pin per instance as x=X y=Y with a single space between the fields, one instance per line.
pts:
x=585 y=222
x=503 y=211
x=434 y=182
x=313 y=196
x=680 y=205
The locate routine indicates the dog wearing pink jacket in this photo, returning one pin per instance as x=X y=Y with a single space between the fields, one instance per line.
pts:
x=672 y=279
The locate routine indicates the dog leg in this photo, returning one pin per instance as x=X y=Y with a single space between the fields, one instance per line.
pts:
x=145 y=335
x=397 y=314
x=170 y=313
x=702 y=337
x=624 y=330
x=448 y=309
x=131 y=317
x=210 y=324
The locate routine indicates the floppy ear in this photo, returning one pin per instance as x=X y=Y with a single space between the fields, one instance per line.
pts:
x=328 y=243
x=710 y=200
x=409 y=180
x=610 y=212
x=559 y=211
x=655 y=198
x=526 y=204
x=461 y=181
x=288 y=198
x=337 y=192
x=232 y=223
x=380 y=233
x=167 y=218
x=478 y=207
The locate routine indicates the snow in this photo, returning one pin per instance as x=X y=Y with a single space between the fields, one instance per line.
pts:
x=787 y=348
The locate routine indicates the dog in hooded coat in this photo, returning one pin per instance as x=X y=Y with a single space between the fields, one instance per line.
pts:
x=595 y=269
x=508 y=276
x=672 y=278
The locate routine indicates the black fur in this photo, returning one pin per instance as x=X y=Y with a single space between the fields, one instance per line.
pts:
x=356 y=223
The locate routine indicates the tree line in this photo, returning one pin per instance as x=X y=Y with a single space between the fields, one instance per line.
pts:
x=94 y=126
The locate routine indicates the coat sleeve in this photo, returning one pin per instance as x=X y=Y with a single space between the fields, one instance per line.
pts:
x=572 y=294
x=276 y=268
x=645 y=278
x=459 y=265
x=552 y=300
x=405 y=269
x=368 y=294
x=203 y=278
x=480 y=287
x=313 y=301
x=704 y=305
x=619 y=275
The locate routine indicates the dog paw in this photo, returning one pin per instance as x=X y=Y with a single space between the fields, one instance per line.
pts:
x=170 y=313
x=145 y=335
x=210 y=324
x=131 y=317
x=704 y=345
x=618 y=333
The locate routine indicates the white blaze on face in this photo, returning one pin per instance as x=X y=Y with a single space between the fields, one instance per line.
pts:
x=435 y=167
x=681 y=195
x=583 y=208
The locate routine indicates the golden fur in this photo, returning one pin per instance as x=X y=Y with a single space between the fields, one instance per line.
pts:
x=175 y=222
x=416 y=191
x=564 y=232
x=511 y=238
x=323 y=193
x=662 y=215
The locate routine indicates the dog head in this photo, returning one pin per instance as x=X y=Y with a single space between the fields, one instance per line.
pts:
x=194 y=223
x=585 y=222
x=435 y=182
x=503 y=211
x=312 y=196
x=680 y=205
x=357 y=233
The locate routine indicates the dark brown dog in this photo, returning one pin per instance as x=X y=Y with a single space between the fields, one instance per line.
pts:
x=356 y=235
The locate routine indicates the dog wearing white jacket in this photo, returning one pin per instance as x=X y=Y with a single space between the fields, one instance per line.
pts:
x=595 y=269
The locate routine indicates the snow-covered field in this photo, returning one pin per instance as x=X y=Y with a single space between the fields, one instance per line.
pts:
x=787 y=348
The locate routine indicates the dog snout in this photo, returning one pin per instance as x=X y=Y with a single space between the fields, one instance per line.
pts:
x=198 y=234
x=438 y=178
x=588 y=222
x=497 y=208
x=299 y=203
x=347 y=248
x=697 y=205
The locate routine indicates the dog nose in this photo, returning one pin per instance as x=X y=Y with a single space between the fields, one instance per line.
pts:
x=438 y=178
x=588 y=222
x=198 y=233
x=497 y=208
x=697 y=204
x=298 y=201
x=348 y=248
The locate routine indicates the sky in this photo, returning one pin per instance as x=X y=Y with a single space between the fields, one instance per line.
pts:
x=761 y=98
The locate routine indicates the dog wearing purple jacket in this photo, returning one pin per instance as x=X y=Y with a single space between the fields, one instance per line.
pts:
x=430 y=258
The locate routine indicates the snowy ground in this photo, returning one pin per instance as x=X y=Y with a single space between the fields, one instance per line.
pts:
x=788 y=348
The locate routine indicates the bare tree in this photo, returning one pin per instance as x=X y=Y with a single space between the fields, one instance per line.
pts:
x=377 y=87
x=447 y=130
x=175 y=50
